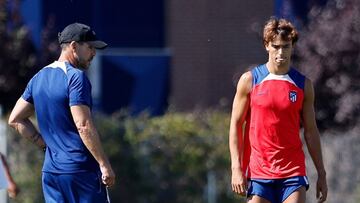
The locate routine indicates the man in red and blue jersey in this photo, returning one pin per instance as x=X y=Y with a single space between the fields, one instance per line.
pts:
x=272 y=101
x=75 y=168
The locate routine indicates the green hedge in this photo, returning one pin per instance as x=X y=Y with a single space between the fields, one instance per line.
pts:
x=157 y=159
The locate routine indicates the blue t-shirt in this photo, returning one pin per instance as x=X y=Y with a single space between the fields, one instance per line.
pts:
x=52 y=91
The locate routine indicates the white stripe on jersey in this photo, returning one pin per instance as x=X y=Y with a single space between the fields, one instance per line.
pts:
x=57 y=64
x=272 y=76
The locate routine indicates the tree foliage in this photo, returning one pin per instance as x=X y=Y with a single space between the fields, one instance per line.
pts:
x=18 y=60
x=168 y=158
x=329 y=53
x=25 y=160
x=156 y=159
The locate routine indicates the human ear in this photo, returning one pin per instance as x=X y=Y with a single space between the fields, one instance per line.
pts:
x=73 y=45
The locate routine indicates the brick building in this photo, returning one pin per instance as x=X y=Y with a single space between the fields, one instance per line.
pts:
x=212 y=42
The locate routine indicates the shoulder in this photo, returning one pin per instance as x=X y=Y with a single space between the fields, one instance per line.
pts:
x=308 y=85
x=259 y=73
x=75 y=74
x=77 y=79
x=309 y=93
x=245 y=82
x=246 y=77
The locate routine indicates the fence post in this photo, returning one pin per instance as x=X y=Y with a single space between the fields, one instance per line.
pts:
x=211 y=187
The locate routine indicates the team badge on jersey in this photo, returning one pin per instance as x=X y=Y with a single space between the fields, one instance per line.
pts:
x=292 y=96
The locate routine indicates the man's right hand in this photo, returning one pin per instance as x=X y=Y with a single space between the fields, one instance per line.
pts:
x=238 y=182
x=108 y=175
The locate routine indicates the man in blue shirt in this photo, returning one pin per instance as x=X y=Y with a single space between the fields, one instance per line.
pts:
x=75 y=168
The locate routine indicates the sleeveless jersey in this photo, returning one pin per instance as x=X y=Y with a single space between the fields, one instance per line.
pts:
x=272 y=137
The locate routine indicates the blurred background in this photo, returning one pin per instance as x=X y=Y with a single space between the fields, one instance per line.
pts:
x=163 y=89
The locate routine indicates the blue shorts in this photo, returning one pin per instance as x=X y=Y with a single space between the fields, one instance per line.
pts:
x=276 y=190
x=73 y=188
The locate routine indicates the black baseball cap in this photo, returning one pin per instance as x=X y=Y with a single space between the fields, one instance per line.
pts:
x=80 y=33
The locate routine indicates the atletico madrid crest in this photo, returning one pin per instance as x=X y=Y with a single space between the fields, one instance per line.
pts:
x=292 y=96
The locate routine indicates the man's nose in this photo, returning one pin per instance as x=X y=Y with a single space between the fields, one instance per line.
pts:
x=281 y=50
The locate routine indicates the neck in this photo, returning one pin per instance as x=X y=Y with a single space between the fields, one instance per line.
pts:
x=278 y=69
x=66 y=56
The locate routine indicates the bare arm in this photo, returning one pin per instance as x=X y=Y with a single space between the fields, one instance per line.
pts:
x=19 y=120
x=12 y=188
x=90 y=137
x=312 y=138
x=236 y=139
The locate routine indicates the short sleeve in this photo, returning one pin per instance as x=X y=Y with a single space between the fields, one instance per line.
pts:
x=80 y=90
x=27 y=95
